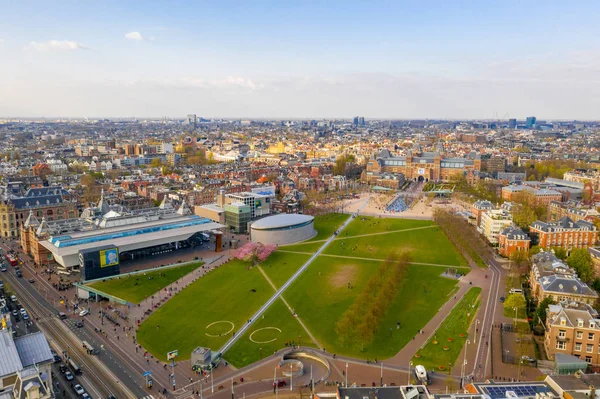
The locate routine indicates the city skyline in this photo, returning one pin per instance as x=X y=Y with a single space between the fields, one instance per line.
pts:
x=268 y=60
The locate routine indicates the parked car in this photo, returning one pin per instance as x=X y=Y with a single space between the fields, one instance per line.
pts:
x=3 y=268
x=69 y=375
x=31 y=280
x=13 y=298
x=501 y=299
x=84 y=312
x=62 y=368
x=79 y=389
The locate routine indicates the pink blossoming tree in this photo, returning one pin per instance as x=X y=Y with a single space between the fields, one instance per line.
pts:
x=254 y=252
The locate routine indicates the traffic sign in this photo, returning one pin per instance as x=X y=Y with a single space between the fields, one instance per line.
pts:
x=172 y=355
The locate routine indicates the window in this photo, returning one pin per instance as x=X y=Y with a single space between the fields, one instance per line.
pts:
x=562 y=333
x=578 y=346
x=590 y=336
x=562 y=346
x=589 y=348
x=588 y=359
x=579 y=335
x=579 y=321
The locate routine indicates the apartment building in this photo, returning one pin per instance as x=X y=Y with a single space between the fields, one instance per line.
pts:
x=564 y=233
x=573 y=329
x=549 y=277
x=493 y=222
x=541 y=196
x=480 y=207
x=512 y=239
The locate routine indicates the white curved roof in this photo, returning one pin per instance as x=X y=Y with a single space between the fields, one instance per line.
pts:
x=281 y=220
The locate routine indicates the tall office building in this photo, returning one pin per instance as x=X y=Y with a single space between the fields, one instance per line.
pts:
x=355 y=121
x=361 y=121
x=512 y=123
x=192 y=120
x=530 y=122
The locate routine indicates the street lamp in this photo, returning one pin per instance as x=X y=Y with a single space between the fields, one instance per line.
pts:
x=409 y=366
x=515 y=308
x=346 y=374
x=464 y=366
x=291 y=377
x=381 y=377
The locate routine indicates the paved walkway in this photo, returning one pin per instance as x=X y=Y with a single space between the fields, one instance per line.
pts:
x=369 y=259
x=362 y=235
x=408 y=352
x=314 y=339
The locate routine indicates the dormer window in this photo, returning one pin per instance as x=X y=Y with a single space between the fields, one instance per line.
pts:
x=579 y=323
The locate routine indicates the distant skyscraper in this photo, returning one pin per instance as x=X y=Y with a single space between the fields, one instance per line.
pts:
x=192 y=120
x=355 y=121
x=530 y=122
x=361 y=121
x=512 y=123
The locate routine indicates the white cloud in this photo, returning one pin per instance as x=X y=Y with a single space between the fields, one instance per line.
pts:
x=236 y=81
x=58 y=45
x=134 y=36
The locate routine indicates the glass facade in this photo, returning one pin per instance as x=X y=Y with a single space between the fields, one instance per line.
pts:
x=67 y=241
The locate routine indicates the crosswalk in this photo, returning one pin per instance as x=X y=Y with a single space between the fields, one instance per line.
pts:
x=148 y=397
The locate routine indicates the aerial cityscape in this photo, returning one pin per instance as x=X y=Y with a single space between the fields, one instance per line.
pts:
x=299 y=200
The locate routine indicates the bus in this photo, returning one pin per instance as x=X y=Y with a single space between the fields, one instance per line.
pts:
x=74 y=366
x=12 y=259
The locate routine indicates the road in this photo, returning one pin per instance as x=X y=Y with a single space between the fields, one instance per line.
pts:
x=99 y=373
x=277 y=294
x=482 y=357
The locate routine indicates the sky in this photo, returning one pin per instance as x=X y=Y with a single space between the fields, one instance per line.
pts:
x=305 y=59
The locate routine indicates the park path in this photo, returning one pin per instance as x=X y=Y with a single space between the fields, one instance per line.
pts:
x=410 y=349
x=314 y=339
x=369 y=259
x=278 y=293
x=363 y=235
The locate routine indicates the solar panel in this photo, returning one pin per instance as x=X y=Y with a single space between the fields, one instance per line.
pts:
x=520 y=390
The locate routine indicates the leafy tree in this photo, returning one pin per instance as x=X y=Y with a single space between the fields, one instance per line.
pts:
x=156 y=163
x=534 y=250
x=542 y=309
x=581 y=260
x=340 y=166
x=559 y=252
x=515 y=301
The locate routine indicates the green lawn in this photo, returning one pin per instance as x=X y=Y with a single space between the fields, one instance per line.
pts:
x=370 y=224
x=321 y=295
x=245 y=351
x=137 y=287
x=327 y=224
x=280 y=266
x=222 y=295
x=433 y=355
x=428 y=245
x=308 y=247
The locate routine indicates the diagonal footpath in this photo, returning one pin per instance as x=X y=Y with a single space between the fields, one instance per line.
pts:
x=370 y=259
x=379 y=233
x=290 y=308
x=277 y=294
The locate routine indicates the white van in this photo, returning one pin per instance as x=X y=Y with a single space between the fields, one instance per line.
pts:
x=516 y=291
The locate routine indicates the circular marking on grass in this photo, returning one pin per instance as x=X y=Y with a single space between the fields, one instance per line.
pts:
x=219 y=322
x=261 y=329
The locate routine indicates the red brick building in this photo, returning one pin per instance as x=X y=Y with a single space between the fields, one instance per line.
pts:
x=565 y=233
x=513 y=239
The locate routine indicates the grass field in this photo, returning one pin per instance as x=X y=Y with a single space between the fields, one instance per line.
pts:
x=321 y=295
x=425 y=245
x=369 y=224
x=327 y=224
x=433 y=355
x=223 y=295
x=135 y=288
x=245 y=351
x=280 y=266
